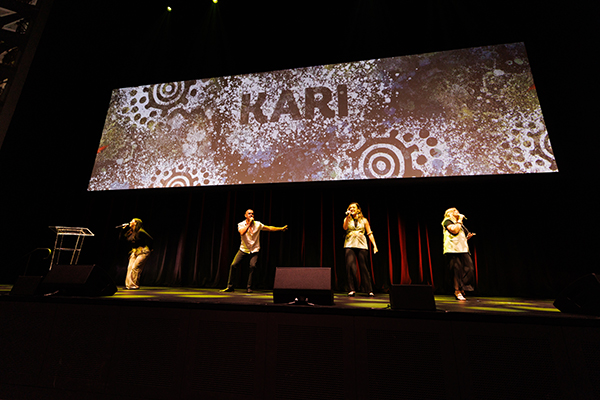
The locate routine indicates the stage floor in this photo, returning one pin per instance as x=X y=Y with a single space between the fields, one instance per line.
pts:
x=185 y=297
x=67 y=347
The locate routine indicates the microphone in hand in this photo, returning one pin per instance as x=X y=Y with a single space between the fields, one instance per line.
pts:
x=122 y=225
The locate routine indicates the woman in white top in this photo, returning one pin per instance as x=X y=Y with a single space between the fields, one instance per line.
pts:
x=356 y=248
x=456 y=251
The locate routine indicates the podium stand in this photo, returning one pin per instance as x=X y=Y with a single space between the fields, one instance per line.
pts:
x=68 y=239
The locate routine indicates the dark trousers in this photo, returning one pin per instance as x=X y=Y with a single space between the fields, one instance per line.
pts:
x=461 y=266
x=351 y=255
x=237 y=261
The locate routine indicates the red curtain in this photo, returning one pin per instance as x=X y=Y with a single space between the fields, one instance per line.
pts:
x=196 y=237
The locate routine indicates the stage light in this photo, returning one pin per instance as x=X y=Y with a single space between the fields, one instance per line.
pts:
x=169 y=9
x=215 y=1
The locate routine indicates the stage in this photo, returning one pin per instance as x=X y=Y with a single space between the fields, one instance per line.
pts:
x=167 y=342
x=361 y=304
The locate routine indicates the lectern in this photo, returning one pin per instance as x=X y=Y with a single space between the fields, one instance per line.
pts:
x=68 y=239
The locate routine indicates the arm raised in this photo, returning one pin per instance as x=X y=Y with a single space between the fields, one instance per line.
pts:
x=274 y=228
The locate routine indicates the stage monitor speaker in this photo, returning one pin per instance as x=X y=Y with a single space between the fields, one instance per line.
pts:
x=27 y=286
x=303 y=285
x=582 y=296
x=78 y=280
x=412 y=297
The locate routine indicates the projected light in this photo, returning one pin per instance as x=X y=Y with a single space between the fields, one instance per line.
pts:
x=455 y=113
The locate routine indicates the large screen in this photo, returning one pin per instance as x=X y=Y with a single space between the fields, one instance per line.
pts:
x=454 y=113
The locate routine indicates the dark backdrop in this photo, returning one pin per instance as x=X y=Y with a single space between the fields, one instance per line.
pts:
x=535 y=233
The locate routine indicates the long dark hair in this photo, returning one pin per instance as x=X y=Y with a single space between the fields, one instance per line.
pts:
x=133 y=233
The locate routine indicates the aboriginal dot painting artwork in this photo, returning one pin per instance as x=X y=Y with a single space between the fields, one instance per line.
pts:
x=454 y=113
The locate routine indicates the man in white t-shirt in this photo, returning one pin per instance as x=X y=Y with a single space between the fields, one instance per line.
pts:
x=249 y=230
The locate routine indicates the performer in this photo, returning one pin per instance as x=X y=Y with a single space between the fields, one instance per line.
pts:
x=356 y=246
x=456 y=252
x=249 y=230
x=141 y=246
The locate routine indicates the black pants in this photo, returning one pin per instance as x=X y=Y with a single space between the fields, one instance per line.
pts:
x=461 y=266
x=233 y=269
x=351 y=255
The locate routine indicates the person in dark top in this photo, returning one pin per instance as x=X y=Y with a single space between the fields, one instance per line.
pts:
x=141 y=247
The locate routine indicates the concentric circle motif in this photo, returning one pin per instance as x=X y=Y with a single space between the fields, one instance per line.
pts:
x=166 y=94
x=178 y=179
x=382 y=160
x=545 y=146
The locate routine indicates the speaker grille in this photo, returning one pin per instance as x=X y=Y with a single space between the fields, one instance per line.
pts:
x=581 y=296
x=79 y=280
x=303 y=278
x=306 y=284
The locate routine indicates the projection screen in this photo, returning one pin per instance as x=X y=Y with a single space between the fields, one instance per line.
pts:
x=454 y=113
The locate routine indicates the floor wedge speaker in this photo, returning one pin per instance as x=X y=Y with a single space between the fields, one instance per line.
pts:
x=412 y=297
x=303 y=285
x=582 y=296
x=79 y=280
x=27 y=286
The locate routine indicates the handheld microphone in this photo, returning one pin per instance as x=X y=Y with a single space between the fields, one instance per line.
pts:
x=122 y=225
x=347 y=212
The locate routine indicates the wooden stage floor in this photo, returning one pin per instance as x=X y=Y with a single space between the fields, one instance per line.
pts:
x=191 y=343
x=446 y=306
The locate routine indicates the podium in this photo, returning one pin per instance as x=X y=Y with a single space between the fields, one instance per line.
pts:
x=68 y=239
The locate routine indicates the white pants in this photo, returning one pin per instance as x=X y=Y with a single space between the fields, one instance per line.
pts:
x=137 y=258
